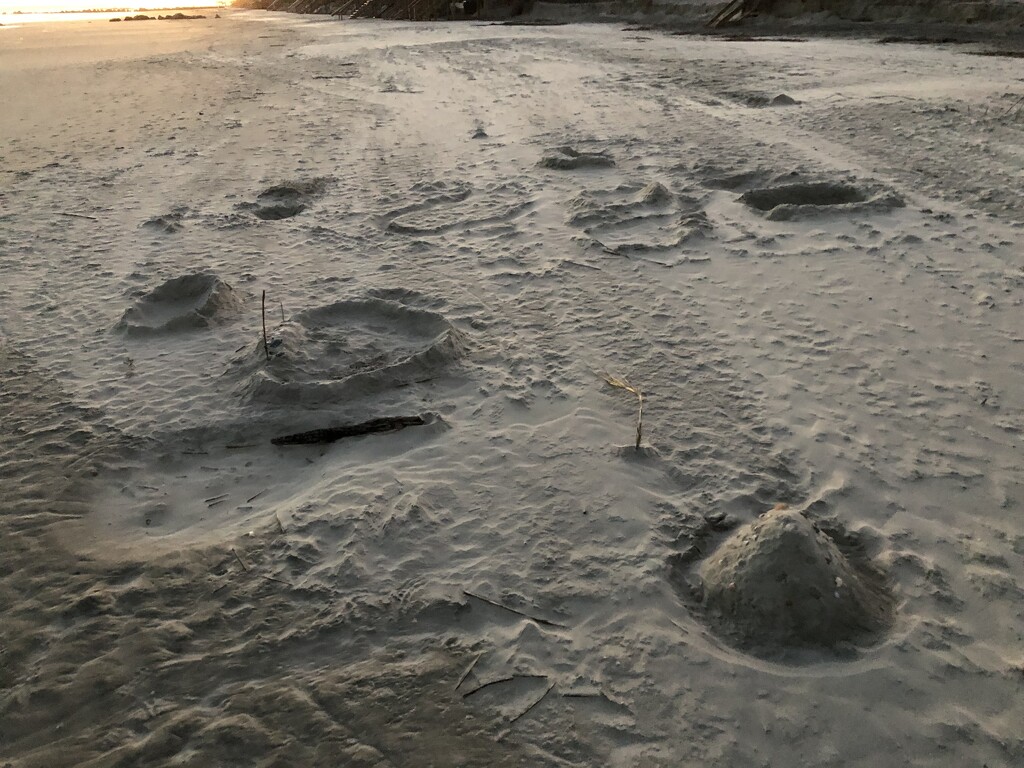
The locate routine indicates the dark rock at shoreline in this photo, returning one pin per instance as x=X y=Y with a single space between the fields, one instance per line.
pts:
x=171 y=17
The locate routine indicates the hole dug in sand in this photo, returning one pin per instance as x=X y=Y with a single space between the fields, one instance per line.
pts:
x=347 y=349
x=781 y=584
x=183 y=303
x=790 y=201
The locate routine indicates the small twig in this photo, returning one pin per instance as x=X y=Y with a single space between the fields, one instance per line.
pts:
x=253 y=498
x=615 y=381
x=214 y=504
x=488 y=685
x=679 y=626
x=545 y=622
x=241 y=562
x=279 y=581
x=501 y=680
x=464 y=675
x=266 y=345
x=282 y=310
x=77 y=215
x=530 y=708
x=236 y=446
x=221 y=497
x=1012 y=106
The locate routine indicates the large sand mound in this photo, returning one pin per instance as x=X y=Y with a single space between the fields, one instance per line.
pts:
x=781 y=583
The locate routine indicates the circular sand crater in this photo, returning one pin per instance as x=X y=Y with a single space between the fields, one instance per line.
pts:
x=188 y=302
x=347 y=349
x=781 y=584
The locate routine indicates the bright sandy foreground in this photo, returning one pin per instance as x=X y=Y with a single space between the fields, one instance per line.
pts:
x=863 y=364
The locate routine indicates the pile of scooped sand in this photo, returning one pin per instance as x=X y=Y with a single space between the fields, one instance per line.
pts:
x=780 y=582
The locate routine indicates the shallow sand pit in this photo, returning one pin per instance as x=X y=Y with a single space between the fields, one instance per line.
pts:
x=189 y=302
x=349 y=348
x=797 y=200
x=780 y=583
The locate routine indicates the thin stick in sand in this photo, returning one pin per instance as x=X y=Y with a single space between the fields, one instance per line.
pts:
x=253 y=498
x=501 y=680
x=241 y=562
x=483 y=599
x=530 y=708
x=465 y=674
x=279 y=581
x=266 y=345
x=77 y=215
x=615 y=381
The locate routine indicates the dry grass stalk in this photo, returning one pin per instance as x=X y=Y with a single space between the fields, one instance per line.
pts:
x=465 y=674
x=618 y=383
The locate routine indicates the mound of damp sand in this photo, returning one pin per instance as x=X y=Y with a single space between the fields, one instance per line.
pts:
x=780 y=583
x=283 y=201
x=347 y=349
x=183 y=303
x=569 y=159
x=790 y=201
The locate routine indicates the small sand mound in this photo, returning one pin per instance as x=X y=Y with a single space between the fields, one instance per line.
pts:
x=788 y=201
x=780 y=583
x=168 y=223
x=284 y=201
x=569 y=159
x=347 y=349
x=183 y=303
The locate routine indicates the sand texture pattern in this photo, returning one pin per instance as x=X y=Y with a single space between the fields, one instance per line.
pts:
x=467 y=230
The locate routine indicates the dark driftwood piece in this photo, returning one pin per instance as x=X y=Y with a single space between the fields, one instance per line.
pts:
x=329 y=435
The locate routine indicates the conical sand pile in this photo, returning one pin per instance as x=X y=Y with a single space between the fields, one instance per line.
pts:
x=780 y=583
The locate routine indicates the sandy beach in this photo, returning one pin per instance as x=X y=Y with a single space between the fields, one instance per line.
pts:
x=801 y=256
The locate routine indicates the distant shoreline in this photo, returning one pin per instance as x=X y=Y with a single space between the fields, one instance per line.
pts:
x=125 y=9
